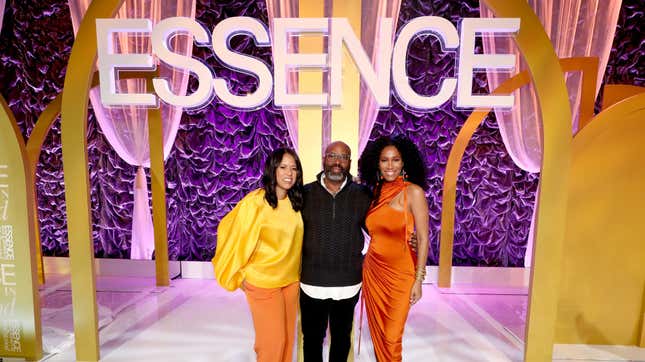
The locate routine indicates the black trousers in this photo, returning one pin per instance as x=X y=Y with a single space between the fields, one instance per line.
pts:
x=315 y=314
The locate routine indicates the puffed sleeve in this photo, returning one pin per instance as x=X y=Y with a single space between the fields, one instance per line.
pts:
x=237 y=237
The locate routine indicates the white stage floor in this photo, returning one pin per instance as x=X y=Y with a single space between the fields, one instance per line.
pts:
x=196 y=320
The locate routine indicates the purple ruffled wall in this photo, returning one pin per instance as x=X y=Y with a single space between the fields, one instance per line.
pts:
x=219 y=152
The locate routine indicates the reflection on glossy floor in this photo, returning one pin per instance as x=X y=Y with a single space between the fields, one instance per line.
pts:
x=196 y=320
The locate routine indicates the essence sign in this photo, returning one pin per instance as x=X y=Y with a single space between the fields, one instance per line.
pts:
x=391 y=56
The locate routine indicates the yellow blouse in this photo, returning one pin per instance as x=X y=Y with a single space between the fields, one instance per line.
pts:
x=259 y=244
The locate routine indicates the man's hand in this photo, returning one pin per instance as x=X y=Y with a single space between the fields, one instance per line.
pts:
x=413 y=241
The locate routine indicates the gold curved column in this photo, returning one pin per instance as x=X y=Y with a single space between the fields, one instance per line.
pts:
x=19 y=300
x=34 y=147
x=77 y=194
x=551 y=90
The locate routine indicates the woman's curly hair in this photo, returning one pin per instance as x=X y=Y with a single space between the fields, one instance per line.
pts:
x=413 y=164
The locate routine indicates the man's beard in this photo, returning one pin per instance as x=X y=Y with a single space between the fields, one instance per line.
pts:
x=333 y=176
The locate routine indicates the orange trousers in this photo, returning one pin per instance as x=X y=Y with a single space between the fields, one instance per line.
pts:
x=274 y=319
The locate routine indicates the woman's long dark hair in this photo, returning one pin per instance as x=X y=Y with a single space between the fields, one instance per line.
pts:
x=413 y=164
x=269 y=181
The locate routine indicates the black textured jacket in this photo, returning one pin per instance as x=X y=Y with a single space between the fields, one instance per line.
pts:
x=333 y=240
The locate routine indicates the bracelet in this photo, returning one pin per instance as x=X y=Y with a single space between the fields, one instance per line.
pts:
x=421 y=274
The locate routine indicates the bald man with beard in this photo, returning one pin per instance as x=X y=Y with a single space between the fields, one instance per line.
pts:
x=332 y=260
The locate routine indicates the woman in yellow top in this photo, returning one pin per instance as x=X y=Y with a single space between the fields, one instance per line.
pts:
x=259 y=245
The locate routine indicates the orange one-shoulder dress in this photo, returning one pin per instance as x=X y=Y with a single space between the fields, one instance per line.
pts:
x=388 y=272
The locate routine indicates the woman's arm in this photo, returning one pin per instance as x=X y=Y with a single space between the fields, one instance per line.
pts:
x=418 y=206
x=237 y=236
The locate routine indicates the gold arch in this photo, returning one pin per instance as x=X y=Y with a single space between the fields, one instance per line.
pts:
x=587 y=65
x=34 y=148
x=450 y=178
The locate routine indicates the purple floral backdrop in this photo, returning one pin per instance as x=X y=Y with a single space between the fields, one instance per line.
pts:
x=218 y=153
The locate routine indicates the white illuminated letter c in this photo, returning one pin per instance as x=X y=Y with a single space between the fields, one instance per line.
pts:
x=447 y=33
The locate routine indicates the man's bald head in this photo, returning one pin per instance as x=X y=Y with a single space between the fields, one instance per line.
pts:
x=338 y=145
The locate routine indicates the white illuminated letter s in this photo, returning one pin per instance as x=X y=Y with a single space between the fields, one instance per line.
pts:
x=222 y=34
x=161 y=34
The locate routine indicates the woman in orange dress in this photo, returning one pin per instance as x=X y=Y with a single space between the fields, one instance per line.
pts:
x=392 y=272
